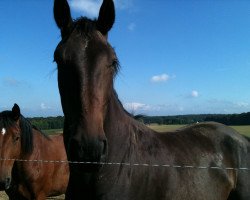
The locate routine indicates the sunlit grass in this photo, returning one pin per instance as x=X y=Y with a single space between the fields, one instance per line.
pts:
x=53 y=131
x=244 y=130
x=164 y=128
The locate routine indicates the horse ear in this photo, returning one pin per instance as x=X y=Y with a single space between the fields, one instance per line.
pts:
x=106 y=17
x=16 y=112
x=62 y=15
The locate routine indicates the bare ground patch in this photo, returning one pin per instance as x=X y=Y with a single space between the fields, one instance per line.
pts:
x=3 y=196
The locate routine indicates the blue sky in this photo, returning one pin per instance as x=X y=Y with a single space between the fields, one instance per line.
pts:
x=176 y=56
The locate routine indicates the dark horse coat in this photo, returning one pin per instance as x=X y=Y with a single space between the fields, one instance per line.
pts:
x=97 y=129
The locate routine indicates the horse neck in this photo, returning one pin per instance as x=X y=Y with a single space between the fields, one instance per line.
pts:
x=116 y=113
x=120 y=128
x=39 y=141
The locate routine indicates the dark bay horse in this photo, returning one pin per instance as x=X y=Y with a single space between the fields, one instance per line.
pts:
x=98 y=129
x=30 y=180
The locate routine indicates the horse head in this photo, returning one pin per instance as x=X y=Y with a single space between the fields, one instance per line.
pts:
x=86 y=66
x=10 y=144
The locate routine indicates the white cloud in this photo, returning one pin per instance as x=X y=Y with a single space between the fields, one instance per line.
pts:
x=135 y=106
x=91 y=7
x=209 y=106
x=242 y=104
x=154 y=109
x=223 y=106
x=43 y=106
x=88 y=7
x=131 y=26
x=160 y=78
x=194 y=93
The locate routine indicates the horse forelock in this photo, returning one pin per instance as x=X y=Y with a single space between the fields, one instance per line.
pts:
x=84 y=26
x=5 y=119
x=26 y=128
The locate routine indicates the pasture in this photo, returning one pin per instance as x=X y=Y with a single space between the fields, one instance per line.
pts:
x=245 y=130
x=3 y=196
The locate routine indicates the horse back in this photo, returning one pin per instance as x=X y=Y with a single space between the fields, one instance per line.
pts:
x=180 y=164
x=208 y=139
x=216 y=148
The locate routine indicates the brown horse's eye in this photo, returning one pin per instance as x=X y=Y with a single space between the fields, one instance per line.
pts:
x=16 y=138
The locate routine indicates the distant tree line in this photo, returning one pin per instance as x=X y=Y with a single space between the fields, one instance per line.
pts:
x=230 y=119
x=46 y=123
x=233 y=119
x=178 y=119
x=227 y=119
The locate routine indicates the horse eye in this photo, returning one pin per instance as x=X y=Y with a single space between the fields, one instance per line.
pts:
x=16 y=138
x=115 y=65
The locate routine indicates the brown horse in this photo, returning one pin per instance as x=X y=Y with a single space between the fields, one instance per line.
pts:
x=98 y=129
x=20 y=141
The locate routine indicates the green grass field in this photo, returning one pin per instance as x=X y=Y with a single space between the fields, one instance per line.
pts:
x=244 y=130
x=53 y=131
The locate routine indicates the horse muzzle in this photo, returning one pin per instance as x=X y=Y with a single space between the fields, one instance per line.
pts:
x=5 y=184
x=89 y=153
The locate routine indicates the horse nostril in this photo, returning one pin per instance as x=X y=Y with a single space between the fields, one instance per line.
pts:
x=104 y=149
x=7 y=183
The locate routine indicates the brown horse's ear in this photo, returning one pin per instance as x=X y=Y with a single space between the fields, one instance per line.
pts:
x=62 y=15
x=16 y=112
x=106 y=17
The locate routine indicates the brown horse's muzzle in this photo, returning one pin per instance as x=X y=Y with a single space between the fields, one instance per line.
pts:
x=91 y=152
x=5 y=174
x=5 y=183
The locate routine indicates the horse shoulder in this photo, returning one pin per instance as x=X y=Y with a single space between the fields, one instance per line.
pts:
x=60 y=171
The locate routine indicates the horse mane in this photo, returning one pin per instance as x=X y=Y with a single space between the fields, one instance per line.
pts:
x=27 y=135
x=26 y=127
x=84 y=26
x=116 y=98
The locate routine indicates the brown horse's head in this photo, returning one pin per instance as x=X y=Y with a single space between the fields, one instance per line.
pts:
x=10 y=145
x=15 y=139
x=86 y=68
